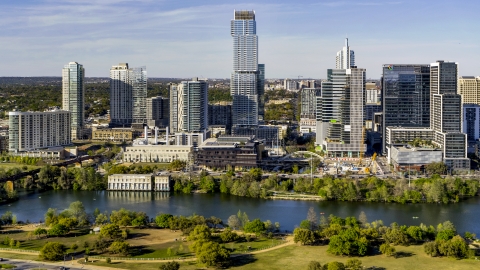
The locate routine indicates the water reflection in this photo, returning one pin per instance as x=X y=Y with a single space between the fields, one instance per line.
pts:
x=136 y=196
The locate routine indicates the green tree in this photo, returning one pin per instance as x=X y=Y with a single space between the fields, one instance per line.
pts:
x=58 y=230
x=211 y=253
x=335 y=266
x=314 y=265
x=387 y=249
x=304 y=236
x=39 y=232
x=436 y=168
x=348 y=242
x=256 y=226
x=101 y=219
x=177 y=165
x=111 y=231
x=119 y=247
x=353 y=264
x=234 y=222
x=52 y=251
x=228 y=236
x=170 y=266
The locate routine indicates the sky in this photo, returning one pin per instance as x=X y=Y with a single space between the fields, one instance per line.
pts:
x=191 y=38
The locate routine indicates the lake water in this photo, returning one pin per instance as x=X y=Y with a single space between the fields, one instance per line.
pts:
x=465 y=215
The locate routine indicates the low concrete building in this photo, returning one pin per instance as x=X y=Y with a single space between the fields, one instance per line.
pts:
x=237 y=152
x=134 y=182
x=414 y=158
x=162 y=182
x=156 y=153
x=139 y=182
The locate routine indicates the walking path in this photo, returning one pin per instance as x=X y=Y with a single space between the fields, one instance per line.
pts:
x=78 y=262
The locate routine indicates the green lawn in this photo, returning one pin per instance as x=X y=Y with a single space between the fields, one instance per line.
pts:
x=28 y=257
x=298 y=257
x=161 y=166
x=8 y=165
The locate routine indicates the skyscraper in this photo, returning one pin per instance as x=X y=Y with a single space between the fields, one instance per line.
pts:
x=261 y=91
x=469 y=88
x=406 y=97
x=345 y=58
x=73 y=96
x=244 y=79
x=128 y=94
x=189 y=106
x=158 y=112
x=340 y=109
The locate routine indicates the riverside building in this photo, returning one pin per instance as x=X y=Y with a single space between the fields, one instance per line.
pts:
x=73 y=97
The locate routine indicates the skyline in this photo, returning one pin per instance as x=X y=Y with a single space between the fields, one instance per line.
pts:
x=181 y=40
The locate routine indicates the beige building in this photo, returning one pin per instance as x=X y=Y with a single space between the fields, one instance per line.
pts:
x=139 y=182
x=156 y=153
x=112 y=134
x=469 y=88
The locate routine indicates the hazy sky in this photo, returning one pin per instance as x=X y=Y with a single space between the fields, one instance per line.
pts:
x=190 y=38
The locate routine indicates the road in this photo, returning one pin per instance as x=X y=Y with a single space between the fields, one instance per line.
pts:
x=20 y=265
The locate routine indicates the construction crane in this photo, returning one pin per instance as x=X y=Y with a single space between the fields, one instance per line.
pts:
x=372 y=164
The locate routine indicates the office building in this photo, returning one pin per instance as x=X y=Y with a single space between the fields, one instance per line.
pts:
x=345 y=58
x=270 y=135
x=73 y=97
x=158 y=112
x=244 y=79
x=189 y=106
x=220 y=114
x=406 y=97
x=128 y=94
x=290 y=85
x=471 y=122
x=340 y=120
x=308 y=102
x=29 y=131
x=446 y=114
x=230 y=152
x=469 y=89
x=261 y=91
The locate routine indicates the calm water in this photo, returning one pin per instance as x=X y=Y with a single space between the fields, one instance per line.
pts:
x=465 y=215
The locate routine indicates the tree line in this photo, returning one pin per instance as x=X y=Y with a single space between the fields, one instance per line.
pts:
x=357 y=237
x=433 y=189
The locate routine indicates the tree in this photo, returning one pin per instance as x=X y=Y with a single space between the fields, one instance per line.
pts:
x=111 y=231
x=312 y=217
x=39 y=232
x=363 y=218
x=234 y=222
x=353 y=264
x=58 y=230
x=211 y=253
x=387 y=249
x=348 y=242
x=119 y=247
x=314 y=265
x=431 y=248
x=52 y=251
x=304 y=236
x=228 y=236
x=396 y=236
x=77 y=210
x=256 y=226
x=436 y=168
x=177 y=165
x=335 y=266
x=416 y=233
x=101 y=219
x=170 y=266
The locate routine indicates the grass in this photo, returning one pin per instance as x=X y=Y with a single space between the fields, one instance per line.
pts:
x=298 y=257
x=9 y=165
x=7 y=266
x=18 y=256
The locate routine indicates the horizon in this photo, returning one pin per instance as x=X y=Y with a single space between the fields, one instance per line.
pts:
x=184 y=40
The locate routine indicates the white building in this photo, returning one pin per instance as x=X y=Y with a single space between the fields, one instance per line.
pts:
x=139 y=182
x=345 y=58
x=39 y=130
x=156 y=153
x=189 y=106
x=73 y=97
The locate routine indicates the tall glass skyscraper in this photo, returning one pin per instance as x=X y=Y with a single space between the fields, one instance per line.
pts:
x=73 y=96
x=345 y=58
x=244 y=79
x=128 y=94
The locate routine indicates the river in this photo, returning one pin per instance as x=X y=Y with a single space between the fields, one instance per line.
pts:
x=32 y=207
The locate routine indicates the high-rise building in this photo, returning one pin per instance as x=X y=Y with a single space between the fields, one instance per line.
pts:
x=308 y=102
x=128 y=94
x=220 y=114
x=158 y=112
x=261 y=91
x=469 y=88
x=340 y=109
x=36 y=130
x=345 y=58
x=189 y=106
x=290 y=85
x=446 y=114
x=244 y=78
x=73 y=96
x=406 y=97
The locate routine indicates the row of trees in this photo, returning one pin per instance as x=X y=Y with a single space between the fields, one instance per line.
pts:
x=432 y=190
x=52 y=177
x=354 y=237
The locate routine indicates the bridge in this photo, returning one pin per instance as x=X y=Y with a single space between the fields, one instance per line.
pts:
x=35 y=171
